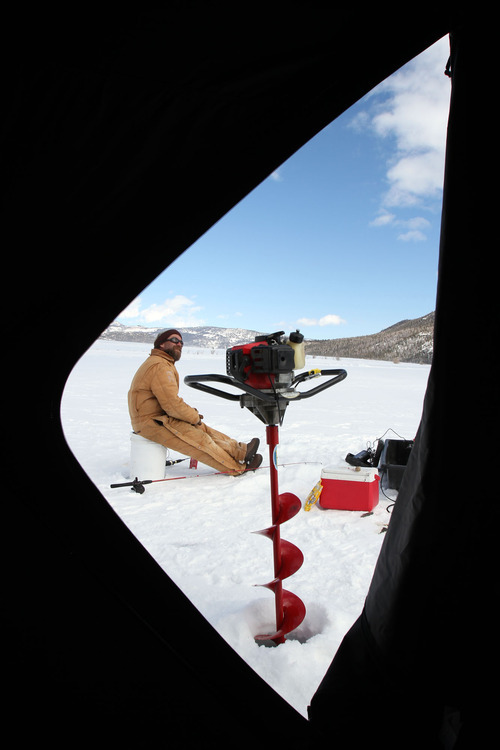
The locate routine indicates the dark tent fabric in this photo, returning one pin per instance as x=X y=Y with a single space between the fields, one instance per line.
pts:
x=428 y=627
x=125 y=137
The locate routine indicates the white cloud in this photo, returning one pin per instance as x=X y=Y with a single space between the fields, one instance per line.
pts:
x=276 y=176
x=326 y=320
x=418 y=222
x=175 y=311
x=331 y=320
x=383 y=219
x=307 y=322
x=360 y=122
x=229 y=316
x=414 y=235
x=414 y=177
x=132 y=310
x=409 y=111
x=415 y=227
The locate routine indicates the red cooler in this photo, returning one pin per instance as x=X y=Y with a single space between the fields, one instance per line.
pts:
x=350 y=488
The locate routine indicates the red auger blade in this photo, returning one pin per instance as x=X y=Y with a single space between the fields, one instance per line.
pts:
x=270 y=532
x=291 y=559
x=289 y=506
x=291 y=556
x=290 y=611
x=294 y=612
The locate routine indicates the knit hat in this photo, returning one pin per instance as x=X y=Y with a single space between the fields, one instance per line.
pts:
x=164 y=336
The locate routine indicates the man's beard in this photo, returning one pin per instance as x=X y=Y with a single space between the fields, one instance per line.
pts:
x=175 y=353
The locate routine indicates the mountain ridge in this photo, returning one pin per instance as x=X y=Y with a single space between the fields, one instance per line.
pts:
x=409 y=340
x=205 y=337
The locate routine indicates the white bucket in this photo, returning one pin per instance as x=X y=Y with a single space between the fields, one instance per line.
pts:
x=147 y=459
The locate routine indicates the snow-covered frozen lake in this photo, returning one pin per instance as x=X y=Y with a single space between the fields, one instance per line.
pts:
x=199 y=529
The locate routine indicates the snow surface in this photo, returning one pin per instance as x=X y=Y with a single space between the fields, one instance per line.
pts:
x=200 y=529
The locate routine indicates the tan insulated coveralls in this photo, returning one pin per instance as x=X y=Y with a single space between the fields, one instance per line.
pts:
x=158 y=413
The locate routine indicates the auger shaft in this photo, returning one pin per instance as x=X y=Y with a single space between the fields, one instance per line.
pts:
x=263 y=370
x=272 y=441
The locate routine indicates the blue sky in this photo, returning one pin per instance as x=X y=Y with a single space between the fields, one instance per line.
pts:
x=342 y=240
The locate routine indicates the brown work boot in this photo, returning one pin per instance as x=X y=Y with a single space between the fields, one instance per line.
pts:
x=251 y=450
x=254 y=463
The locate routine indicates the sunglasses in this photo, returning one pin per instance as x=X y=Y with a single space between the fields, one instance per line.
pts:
x=176 y=341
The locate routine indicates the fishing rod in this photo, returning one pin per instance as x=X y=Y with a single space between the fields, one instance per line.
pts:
x=138 y=484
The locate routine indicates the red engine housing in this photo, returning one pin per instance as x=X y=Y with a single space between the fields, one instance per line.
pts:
x=258 y=363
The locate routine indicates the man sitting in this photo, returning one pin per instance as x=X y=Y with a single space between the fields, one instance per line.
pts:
x=158 y=413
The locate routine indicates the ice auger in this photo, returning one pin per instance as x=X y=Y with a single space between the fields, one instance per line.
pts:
x=264 y=371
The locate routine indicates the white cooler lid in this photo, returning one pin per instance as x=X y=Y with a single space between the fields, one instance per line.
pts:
x=349 y=473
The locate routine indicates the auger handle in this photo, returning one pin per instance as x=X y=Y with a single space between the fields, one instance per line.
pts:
x=338 y=376
x=199 y=382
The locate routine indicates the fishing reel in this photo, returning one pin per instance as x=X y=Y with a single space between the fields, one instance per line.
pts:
x=265 y=371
